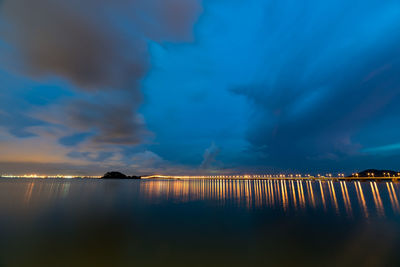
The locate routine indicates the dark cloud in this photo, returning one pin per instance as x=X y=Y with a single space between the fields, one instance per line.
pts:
x=324 y=76
x=67 y=39
x=97 y=45
x=113 y=122
x=87 y=41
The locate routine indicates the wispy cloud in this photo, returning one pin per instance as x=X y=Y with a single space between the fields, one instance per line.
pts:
x=383 y=149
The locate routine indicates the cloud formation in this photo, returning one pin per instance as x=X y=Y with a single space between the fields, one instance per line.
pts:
x=319 y=79
x=209 y=156
x=316 y=74
x=111 y=122
x=278 y=85
x=98 y=46
x=322 y=76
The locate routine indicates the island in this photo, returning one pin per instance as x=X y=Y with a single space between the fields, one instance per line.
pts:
x=118 y=175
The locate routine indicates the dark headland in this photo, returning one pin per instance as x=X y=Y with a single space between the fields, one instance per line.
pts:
x=118 y=175
x=376 y=173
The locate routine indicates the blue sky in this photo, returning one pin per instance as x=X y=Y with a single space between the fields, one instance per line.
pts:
x=187 y=86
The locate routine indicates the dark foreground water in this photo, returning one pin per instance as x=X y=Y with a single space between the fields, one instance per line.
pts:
x=88 y=222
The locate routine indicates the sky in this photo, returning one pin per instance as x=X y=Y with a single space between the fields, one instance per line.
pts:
x=199 y=86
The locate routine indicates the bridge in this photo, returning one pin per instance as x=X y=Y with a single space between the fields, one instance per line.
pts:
x=340 y=177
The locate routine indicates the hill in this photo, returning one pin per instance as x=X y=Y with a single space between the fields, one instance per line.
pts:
x=118 y=175
x=377 y=173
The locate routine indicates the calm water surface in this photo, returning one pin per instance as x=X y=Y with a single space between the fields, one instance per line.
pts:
x=78 y=222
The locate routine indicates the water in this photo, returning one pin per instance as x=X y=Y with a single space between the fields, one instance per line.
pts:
x=78 y=222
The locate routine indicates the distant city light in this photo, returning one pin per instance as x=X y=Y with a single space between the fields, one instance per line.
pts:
x=46 y=176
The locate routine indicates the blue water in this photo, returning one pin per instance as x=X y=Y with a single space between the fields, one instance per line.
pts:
x=81 y=222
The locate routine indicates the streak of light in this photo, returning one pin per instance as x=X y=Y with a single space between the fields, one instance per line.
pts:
x=322 y=195
x=377 y=199
x=333 y=196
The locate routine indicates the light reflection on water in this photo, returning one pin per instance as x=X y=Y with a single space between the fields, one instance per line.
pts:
x=344 y=198
x=81 y=222
x=367 y=199
x=355 y=198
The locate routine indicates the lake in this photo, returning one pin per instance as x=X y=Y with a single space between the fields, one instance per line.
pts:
x=198 y=222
